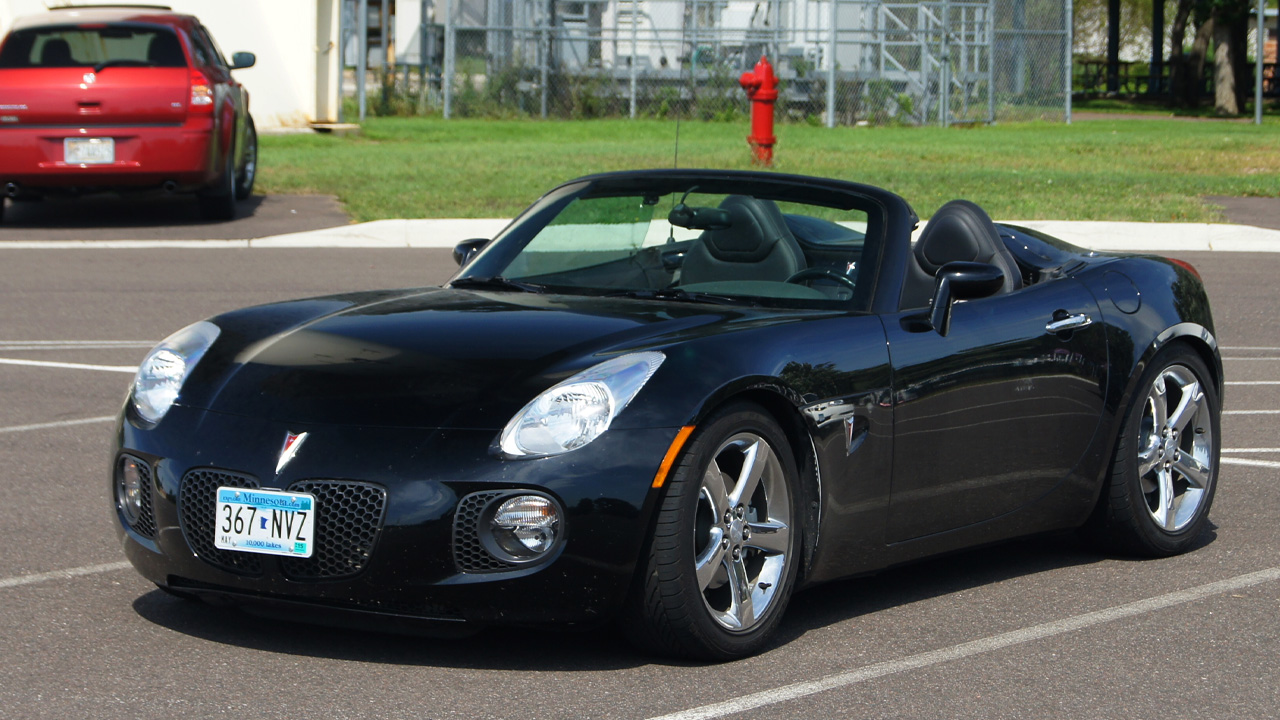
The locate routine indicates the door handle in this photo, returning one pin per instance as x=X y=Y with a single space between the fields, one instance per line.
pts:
x=1068 y=323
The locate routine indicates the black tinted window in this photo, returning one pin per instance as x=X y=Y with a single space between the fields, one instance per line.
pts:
x=72 y=46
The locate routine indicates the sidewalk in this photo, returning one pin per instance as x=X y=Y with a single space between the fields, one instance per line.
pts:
x=1102 y=236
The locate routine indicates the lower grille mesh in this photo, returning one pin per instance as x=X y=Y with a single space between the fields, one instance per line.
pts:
x=350 y=515
x=468 y=552
x=197 y=500
x=347 y=524
x=146 y=523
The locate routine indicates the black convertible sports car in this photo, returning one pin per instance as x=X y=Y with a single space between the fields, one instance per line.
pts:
x=671 y=397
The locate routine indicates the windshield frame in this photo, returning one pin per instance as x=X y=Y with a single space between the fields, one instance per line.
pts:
x=499 y=254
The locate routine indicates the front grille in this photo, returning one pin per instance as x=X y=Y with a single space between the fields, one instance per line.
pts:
x=469 y=553
x=350 y=516
x=146 y=522
x=347 y=526
x=197 y=500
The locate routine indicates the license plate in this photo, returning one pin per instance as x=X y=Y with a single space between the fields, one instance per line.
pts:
x=265 y=521
x=89 y=151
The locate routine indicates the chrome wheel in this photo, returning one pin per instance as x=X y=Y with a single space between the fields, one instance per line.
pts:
x=742 y=533
x=1175 y=448
x=722 y=560
x=1164 y=470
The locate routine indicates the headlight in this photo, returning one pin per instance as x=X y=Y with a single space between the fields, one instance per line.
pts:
x=580 y=409
x=166 y=367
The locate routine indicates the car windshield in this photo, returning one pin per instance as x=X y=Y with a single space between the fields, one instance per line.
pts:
x=93 y=46
x=704 y=242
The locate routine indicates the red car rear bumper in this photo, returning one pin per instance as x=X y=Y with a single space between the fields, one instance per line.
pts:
x=144 y=157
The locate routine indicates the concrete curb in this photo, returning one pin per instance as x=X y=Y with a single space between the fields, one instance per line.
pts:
x=445 y=233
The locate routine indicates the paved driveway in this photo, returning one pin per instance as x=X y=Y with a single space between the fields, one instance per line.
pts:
x=1037 y=628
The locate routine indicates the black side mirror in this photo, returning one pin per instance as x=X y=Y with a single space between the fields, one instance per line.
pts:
x=464 y=251
x=242 y=60
x=961 y=281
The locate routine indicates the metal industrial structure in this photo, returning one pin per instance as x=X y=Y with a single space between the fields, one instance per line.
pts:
x=844 y=61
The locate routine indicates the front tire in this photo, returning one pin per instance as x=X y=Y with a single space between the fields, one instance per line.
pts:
x=1165 y=468
x=722 y=563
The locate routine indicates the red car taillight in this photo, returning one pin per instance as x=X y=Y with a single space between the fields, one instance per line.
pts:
x=1186 y=266
x=201 y=93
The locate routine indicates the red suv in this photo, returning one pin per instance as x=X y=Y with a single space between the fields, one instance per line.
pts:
x=120 y=98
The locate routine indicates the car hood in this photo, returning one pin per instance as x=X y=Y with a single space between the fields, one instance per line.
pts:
x=424 y=358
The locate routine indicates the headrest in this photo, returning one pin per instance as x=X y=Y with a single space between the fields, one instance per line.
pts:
x=756 y=226
x=959 y=231
x=56 y=53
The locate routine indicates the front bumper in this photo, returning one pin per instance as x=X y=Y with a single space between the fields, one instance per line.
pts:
x=411 y=572
x=145 y=157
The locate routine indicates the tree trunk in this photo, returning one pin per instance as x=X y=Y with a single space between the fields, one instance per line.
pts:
x=1224 y=70
x=1177 y=58
x=1240 y=57
x=1195 y=64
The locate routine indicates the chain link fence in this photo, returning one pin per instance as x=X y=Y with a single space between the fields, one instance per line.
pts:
x=839 y=62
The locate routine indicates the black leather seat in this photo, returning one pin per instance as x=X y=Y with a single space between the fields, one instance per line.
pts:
x=757 y=245
x=56 y=53
x=959 y=231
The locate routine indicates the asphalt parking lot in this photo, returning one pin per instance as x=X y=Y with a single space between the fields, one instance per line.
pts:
x=1038 y=628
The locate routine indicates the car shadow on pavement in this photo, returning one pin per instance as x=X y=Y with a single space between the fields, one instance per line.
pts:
x=842 y=600
x=604 y=649
x=558 y=650
x=153 y=216
x=108 y=210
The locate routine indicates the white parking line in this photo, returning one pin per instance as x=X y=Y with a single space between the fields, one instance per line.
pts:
x=1251 y=412
x=61 y=574
x=1264 y=359
x=1250 y=463
x=1233 y=348
x=1251 y=450
x=976 y=647
x=61 y=423
x=1254 y=382
x=10 y=345
x=70 y=366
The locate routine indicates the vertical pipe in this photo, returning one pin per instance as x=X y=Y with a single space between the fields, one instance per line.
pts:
x=342 y=57
x=1257 y=83
x=991 y=61
x=362 y=59
x=423 y=50
x=450 y=48
x=546 y=55
x=944 y=107
x=831 y=68
x=1069 y=70
x=635 y=31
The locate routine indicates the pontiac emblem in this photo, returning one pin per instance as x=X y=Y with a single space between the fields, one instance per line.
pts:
x=292 y=443
x=90 y=78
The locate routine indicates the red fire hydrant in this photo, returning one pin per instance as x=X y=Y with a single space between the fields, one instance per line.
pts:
x=762 y=89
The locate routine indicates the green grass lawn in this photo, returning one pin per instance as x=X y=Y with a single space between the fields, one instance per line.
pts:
x=1144 y=170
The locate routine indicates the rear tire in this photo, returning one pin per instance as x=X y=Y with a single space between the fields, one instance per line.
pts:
x=719 y=570
x=1165 y=469
x=3 y=203
x=220 y=204
x=249 y=173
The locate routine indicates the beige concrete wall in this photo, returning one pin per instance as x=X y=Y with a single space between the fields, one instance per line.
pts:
x=295 y=81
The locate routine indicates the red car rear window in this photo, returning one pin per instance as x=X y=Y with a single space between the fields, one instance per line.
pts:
x=95 y=46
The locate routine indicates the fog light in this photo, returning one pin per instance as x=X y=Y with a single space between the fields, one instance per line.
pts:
x=525 y=527
x=129 y=489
